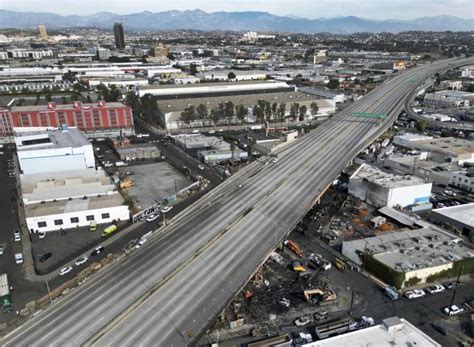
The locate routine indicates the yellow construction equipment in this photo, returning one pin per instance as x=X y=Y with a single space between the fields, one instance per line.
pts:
x=340 y=264
x=126 y=184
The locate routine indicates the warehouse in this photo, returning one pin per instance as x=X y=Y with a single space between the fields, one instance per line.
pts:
x=223 y=75
x=394 y=331
x=460 y=217
x=60 y=185
x=42 y=151
x=380 y=189
x=215 y=156
x=214 y=89
x=405 y=255
x=170 y=109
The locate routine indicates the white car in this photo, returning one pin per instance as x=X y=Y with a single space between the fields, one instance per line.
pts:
x=18 y=258
x=453 y=310
x=415 y=293
x=81 y=261
x=437 y=288
x=152 y=218
x=166 y=209
x=201 y=167
x=41 y=234
x=17 y=235
x=65 y=270
x=140 y=243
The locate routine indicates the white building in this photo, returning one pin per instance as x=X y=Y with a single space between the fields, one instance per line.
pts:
x=394 y=331
x=118 y=82
x=209 y=89
x=406 y=140
x=41 y=151
x=454 y=85
x=463 y=180
x=60 y=186
x=223 y=75
x=380 y=189
x=449 y=98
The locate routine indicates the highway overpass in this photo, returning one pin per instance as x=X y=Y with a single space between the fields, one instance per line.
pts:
x=172 y=289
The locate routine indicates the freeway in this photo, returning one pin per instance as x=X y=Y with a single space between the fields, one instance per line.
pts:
x=171 y=290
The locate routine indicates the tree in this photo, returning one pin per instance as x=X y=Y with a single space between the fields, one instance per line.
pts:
x=314 y=108
x=268 y=110
x=445 y=133
x=188 y=115
x=64 y=100
x=193 y=69
x=231 y=75
x=148 y=107
x=215 y=116
x=302 y=112
x=21 y=102
x=274 y=110
x=333 y=84
x=48 y=97
x=202 y=112
x=259 y=113
x=133 y=101
x=294 y=109
x=38 y=97
x=421 y=125
x=281 y=112
x=88 y=99
x=229 y=110
x=241 y=112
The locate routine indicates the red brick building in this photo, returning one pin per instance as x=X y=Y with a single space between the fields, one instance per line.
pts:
x=96 y=118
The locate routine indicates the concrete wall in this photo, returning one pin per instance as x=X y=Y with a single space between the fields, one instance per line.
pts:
x=423 y=274
x=117 y=212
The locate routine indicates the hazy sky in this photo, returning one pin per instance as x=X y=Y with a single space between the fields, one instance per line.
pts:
x=377 y=9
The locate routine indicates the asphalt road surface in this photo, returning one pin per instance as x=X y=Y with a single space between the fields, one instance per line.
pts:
x=169 y=291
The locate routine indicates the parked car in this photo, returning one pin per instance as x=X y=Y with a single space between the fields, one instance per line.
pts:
x=97 y=250
x=437 y=288
x=17 y=235
x=140 y=242
x=152 y=217
x=65 y=270
x=439 y=328
x=45 y=257
x=450 y=284
x=305 y=320
x=41 y=234
x=2 y=249
x=201 y=167
x=415 y=293
x=18 y=258
x=166 y=209
x=453 y=310
x=81 y=261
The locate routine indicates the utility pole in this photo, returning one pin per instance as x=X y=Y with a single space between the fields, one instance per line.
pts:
x=455 y=288
x=49 y=292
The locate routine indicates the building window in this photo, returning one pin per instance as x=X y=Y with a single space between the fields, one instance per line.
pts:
x=41 y=224
x=105 y=215
x=74 y=219
x=89 y=218
x=58 y=222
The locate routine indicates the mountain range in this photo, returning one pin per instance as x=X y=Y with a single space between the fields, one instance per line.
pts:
x=235 y=21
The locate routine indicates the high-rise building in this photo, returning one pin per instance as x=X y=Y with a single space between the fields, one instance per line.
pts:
x=42 y=32
x=119 y=36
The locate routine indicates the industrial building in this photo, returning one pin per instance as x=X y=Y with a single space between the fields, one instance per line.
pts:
x=459 y=217
x=60 y=185
x=324 y=93
x=214 y=89
x=393 y=331
x=240 y=75
x=463 y=180
x=137 y=151
x=43 y=151
x=448 y=98
x=441 y=150
x=94 y=119
x=418 y=253
x=170 y=109
x=380 y=189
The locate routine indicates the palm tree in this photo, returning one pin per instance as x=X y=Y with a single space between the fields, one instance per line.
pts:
x=281 y=112
x=215 y=116
x=294 y=108
x=241 y=112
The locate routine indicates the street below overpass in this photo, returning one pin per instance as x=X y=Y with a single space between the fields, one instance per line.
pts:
x=172 y=289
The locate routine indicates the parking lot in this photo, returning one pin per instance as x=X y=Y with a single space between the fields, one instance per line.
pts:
x=153 y=182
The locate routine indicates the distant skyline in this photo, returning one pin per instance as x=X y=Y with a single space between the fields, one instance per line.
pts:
x=373 y=9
